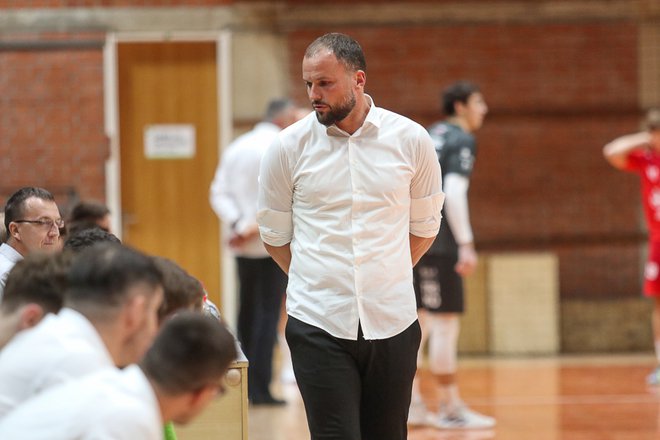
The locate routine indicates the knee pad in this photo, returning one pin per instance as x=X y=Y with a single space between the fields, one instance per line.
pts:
x=443 y=342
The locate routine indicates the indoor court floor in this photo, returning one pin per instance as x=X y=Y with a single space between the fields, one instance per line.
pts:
x=554 y=398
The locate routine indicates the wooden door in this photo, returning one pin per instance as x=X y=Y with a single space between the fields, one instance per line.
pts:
x=164 y=201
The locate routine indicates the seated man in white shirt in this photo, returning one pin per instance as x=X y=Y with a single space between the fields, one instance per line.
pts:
x=32 y=222
x=182 y=371
x=109 y=318
x=35 y=287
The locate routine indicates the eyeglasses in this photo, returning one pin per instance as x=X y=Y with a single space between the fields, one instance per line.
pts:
x=44 y=222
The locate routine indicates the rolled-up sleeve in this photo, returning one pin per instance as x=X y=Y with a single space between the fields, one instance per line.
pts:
x=274 y=214
x=426 y=196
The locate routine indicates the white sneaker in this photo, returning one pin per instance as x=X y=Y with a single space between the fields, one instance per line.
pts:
x=419 y=415
x=462 y=417
x=653 y=379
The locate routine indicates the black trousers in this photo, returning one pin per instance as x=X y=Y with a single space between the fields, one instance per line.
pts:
x=262 y=287
x=354 y=390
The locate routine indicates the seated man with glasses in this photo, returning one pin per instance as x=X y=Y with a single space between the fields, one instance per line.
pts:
x=33 y=223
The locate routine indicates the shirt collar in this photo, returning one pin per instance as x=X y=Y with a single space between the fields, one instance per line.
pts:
x=373 y=117
x=10 y=253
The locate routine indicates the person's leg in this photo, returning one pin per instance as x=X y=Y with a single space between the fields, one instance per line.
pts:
x=427 y=295
x=656 y=326
x=269 y=292
x=246 y=279
x=387 y=368
x=652 y=290
x=329 y=381
x=417 y=401
x=444 y=328
x=443 y=347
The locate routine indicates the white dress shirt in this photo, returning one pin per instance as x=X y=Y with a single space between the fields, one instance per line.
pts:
x=346 y=204
x=8 y=258
x=61 y=347
x=235 y=188
x=111 y=404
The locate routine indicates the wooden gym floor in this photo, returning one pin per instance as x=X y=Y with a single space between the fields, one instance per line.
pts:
x=558 y=398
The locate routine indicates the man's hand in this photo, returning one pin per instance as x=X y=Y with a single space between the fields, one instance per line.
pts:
x=238 y=240
x=467 y=259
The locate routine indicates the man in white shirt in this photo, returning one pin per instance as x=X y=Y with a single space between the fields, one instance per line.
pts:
x=33 y=222
x=109 y=319
x=35 y=287
x=350 y=199
x=234 y=193
x=180 y=374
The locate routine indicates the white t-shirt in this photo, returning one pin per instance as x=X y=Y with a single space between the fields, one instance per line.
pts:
x=111 y=404
x=60 y=348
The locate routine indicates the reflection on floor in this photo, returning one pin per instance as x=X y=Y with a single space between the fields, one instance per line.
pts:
x=576 y=398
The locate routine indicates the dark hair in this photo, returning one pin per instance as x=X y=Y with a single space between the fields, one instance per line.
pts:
x=89 y=211
x=85 y=238
x=346 y=49
x=103 y=273
x=40 y=279
x=191 y=350
x=16 y=202
x=182 y=291
x=277 y=106
x=457 y=92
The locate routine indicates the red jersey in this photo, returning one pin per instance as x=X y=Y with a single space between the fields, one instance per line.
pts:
x=647 y=164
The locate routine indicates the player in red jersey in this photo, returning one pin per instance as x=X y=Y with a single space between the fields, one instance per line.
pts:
x=640 y=153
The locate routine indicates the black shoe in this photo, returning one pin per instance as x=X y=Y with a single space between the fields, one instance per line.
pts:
x=267 y=400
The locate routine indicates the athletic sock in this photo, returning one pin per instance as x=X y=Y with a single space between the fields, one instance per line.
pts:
x=449 y=396
x=416 y=398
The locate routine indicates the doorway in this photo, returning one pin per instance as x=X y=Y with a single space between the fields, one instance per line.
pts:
x=168 y=114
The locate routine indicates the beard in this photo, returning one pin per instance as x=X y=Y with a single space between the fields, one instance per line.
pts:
x=338 y=113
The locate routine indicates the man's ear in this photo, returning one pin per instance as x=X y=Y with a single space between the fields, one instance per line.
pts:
x=13 y=231
x=360 y=78
x=191 y=400
x=134 y=312
x=31 y=314
x=460 y=108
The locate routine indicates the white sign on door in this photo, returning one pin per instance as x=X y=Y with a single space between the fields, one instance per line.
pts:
x=169 y=141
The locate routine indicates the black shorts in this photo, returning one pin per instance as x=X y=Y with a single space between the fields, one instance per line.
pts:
x=438 y=288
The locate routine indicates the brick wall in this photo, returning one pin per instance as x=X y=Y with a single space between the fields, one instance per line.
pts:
x=23 y=4
x=557 y=93
x=51 y=115
x=557 y=88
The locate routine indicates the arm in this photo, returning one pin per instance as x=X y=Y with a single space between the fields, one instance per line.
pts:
x=426 y=197
x=458 y=217
x=617 y=151
x=281 y=255
x=275 y=204
x=220 y=196
x=419 y=246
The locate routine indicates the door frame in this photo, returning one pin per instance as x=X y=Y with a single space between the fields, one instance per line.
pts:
x=222 y=39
